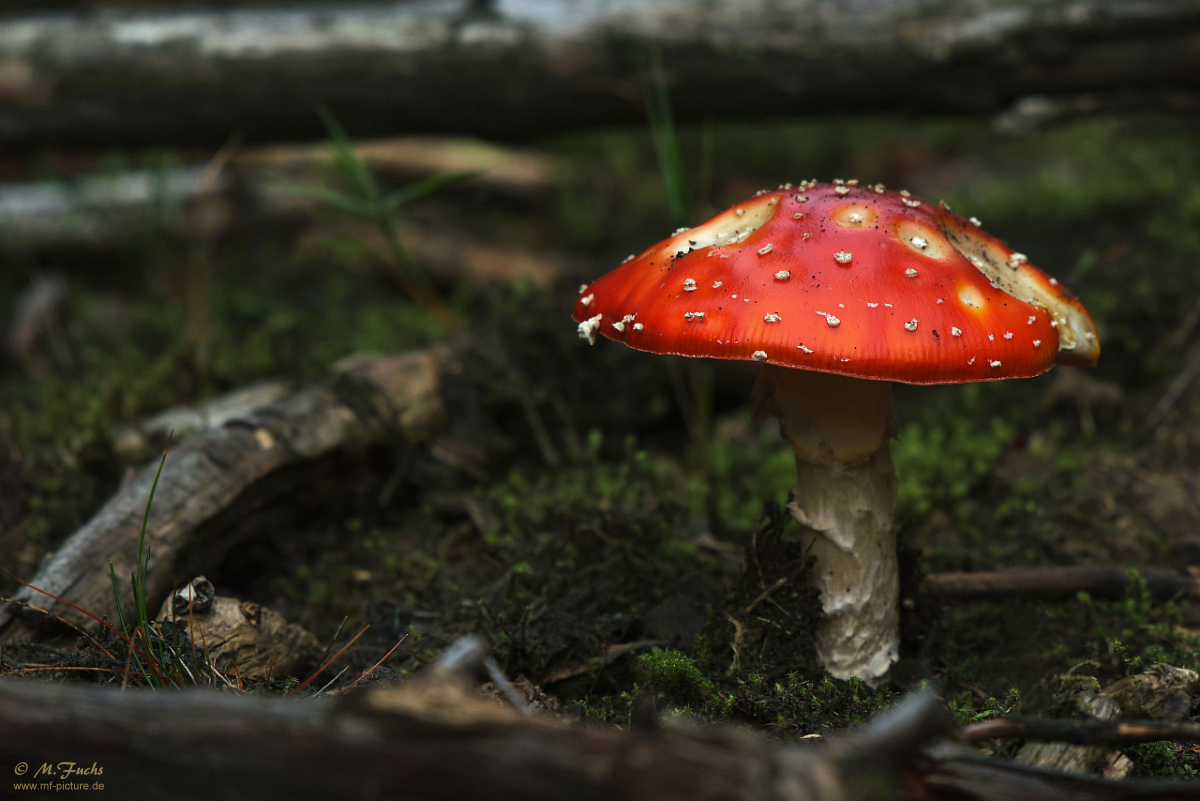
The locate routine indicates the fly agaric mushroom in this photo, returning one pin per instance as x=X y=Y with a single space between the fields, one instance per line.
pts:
x=827 y=285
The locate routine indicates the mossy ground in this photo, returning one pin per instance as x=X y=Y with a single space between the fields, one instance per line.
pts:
x=610 y=553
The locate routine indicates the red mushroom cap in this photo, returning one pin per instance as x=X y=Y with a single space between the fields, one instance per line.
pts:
x=843 y=279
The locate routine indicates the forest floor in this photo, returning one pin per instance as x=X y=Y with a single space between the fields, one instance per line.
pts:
x=589 y=510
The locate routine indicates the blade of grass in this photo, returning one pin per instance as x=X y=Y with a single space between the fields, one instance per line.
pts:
x=347 y=159
x=330 y=197
x=435 y=183
x=666 y=141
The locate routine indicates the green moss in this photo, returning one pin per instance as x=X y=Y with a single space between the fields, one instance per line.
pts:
x=1165 y=760
x=675 y=676
x=939 y=462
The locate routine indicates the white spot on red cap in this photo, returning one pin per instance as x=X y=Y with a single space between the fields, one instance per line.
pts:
x=759 y=356
x=1008 y=335
x=587 y=329
x=910 y=272
x=911 y=325
x=588 y=300
x=806 y=350
x=842 y=257
x=974 y=221
x=716 y=284
x=920 y=242
x=689 y=285
x=783 y=275
x=765 y=249
x=638 y=326
x=772 y=318
x=1037 y=343
x=994 y=364
x=693 y=315
x=955 y=331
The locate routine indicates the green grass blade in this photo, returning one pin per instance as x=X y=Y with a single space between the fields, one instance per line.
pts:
x=428 y=186
x=666 y=141
x=117 y=598
x=330 y=197
x=347 y=159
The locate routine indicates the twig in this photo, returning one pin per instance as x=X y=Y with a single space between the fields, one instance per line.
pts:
x=1115 y=733
x=332 y=659
x=367 y=672
x=1058 y=582
x=766 y=594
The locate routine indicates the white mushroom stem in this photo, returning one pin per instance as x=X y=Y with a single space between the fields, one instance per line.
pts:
x=839 y=429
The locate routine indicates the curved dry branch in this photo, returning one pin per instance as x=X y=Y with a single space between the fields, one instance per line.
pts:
x=244 y=462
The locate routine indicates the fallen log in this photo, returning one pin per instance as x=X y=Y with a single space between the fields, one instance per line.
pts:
x=505 y=69
x=435 y=739
x=213 y=478
x=1051 y=583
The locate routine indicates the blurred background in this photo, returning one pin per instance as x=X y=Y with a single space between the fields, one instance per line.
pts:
x=193 y=201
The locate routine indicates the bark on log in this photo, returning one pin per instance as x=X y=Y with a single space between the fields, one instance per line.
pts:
x=510 y=69
x=1050 y=583
x=425 y=740
x=371 y=401
x=434 y=739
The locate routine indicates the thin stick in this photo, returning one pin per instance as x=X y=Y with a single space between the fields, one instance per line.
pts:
x=82 y=611
x=62 y=620
x=371 y=670
x=1115 y=733
x=1058 y=582
x=766 y=594
x=329 y=683
x=330 y=662
x=67 y=667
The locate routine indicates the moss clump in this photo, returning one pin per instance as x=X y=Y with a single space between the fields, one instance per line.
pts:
x=675 y=677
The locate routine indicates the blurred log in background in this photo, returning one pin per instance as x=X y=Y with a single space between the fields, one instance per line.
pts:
x=505 y=69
